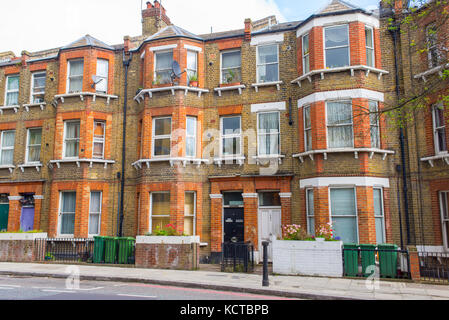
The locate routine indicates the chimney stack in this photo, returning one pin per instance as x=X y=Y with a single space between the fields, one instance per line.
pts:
x=248 y=29
x=154 y=18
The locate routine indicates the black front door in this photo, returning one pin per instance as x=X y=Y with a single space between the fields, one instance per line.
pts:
x=234 y=228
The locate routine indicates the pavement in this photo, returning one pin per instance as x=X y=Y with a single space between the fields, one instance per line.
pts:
x=285 y=286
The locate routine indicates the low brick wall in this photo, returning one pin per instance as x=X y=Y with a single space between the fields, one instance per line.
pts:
x=20 y=247
x=177 y=253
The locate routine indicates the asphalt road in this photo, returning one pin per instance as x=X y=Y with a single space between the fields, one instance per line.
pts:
x=30 y=288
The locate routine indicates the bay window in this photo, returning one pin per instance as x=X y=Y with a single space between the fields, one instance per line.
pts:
x=12 y=91
x=369 y=40
x=33 y=148
x=95 y=213
x=38 y=87
x=161 y=137
x=190 y=213
x=339 y=124
x=7 y=147
x=310 y=208
x=231 y=136
x=268 y=63
x=379 y=215
x=444 y=207
x=374 y=124
x=305 y=54
x=268 y=133
x=344 y=214
x=231 y=62
x=336 y=41
x=191 y=130
x=192 y=65
x=439 y=129
x=307 y=129
x=75 y=76
x=160 y=210
x=71 y=139
x=67 y=211
x=98 y=140
x=163 y=67
x=103 y=75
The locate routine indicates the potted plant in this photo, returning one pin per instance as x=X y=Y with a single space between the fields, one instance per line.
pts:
x=193 y=80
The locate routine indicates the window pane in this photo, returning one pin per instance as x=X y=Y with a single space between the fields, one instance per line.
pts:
x=439 y=116
x=68 y=223
x=189 y=204
x=232 y=199
x=162 y=126
x=71 y=149
x=34 y=154
x=191 y=126
x=268 y=54
x=191 y=60
x=305 y=44
x=307 y=64
x=94 y=224
x=268 y=73
x=76 y=68
x=346 y=229
x=269 y=199
x=7 y=157
x=308 y=140
x=190 y=147
x=76 y=85
x=162 y=147
x=98 y=150
x=39 y=82
x=338 y=57
x=370 y=57
x=102 y=68
x=8 y=139
x=310 y=212
x=307 y=120
x=160 y=222
x=68 y=202
x=189 y=226
x=336 y=36
x=231 y=59
x=99 y=129
x=269 y=144
x=269 y=122
x=160 y=204
x=340 y=137
x=380 y=230
x=369 y=37
x=343 y=202
x=95 y=202
x=231 y=146
x=375 y=137
x=34 y=136
x=231 y=125
x=164 y=60
x=13 y=83
x=339 y=113
x=12 y=99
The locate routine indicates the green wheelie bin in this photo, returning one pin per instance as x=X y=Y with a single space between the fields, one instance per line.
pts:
x=351 y=259
x=99 y=249
x=388 y=260
x=111 y=244
x=125 y=250
x=368 y=255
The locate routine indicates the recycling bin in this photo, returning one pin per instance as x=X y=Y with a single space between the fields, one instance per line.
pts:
x=368 y=255
x=125 y=250
x=351 y=259
x=111 y=244
x=388 y=260
x=99 y=249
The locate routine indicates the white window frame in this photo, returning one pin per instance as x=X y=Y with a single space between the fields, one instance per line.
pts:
x=307 y=129
x=194 y=211
x=72 y=139
x=308 y=216
x=431 y=47
x=375 y=125
x=2 y=148
x=342 y=125
x=384 y=235
x=221 y=63
x=258 y=64
x=154 y=137
x=196 y=64
x=444 y=221
x=155 y=62
x=27 y=161
x=230 y=136
x=437 y=129
x=11 y=91
x=60 y=213
x=347 y=46
x=95 y=213
x=69 y=77
x=190 y=136
x=32 y=93
x=373 y=62
x=105 y=79
x=259 y=134
x=305 y=55
x=151 y=209
x=99 y=140
x=260 y=196
x=356 y=208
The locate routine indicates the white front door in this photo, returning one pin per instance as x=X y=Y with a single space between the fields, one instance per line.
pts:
x=269 y=228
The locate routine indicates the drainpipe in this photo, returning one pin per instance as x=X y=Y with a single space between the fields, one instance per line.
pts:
x=394 y=34
x=126 y=63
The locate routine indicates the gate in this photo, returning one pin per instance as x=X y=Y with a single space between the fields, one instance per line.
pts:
x=434 y=266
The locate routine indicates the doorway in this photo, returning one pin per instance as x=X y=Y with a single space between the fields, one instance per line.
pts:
x=27 y=215
x=269 y=220
x=4 y=212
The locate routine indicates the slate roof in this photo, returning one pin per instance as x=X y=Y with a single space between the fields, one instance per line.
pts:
x=87 y=41
x=173 y=31
x=338 y=5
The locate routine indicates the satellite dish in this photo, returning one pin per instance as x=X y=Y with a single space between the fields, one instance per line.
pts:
x=96 y=80
x=176 y=70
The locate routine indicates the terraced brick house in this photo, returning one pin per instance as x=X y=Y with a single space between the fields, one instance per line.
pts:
x=247 y=131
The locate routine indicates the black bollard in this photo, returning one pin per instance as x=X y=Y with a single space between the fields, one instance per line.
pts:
x=265 y=281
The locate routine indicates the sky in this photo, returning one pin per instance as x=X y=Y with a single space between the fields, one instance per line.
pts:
x=35 y=25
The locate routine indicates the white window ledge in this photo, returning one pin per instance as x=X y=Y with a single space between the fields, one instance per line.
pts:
x=28 y=106
x=15 y=107
x=239 y=87
x=264 y=159
x=321 y=72
x=38 y=166
x=10 y=167
x=81 y=95
x=444 y=157
x=172 y=161
x=267 y=84
x=356 y=152
x=229 y=160
x=432 y=71
x=141 y=96
x=79 y=161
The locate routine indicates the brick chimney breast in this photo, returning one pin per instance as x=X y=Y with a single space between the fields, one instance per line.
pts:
x=154 y=18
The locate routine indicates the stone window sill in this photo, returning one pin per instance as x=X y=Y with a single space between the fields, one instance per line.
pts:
x=432 y=71
x=443 y=156
x=38 y=166
x=229 y=160
x=10 y=167
x=15 y=107
x=81 y=95
x=79 y=161
x=256 y=86
x=264 y=159
x=172 y=161
x=141 y=96
x=31 y=105
x=239 y=87
x=356 y=152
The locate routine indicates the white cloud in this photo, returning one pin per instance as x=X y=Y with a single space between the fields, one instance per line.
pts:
x=45 y=24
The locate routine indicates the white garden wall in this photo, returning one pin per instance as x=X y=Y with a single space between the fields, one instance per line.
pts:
x=311 y=258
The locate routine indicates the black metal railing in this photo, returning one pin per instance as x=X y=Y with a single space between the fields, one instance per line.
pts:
x=237 y=257
x=434 y=266
x=382 y=263
x=64 y=250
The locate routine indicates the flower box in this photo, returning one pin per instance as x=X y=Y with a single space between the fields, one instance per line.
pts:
x=309 y=258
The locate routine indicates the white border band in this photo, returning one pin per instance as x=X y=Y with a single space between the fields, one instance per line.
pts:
x=345 y=181
x=341 y=95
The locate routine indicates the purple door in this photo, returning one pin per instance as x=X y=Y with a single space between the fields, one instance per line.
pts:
x=27 y=219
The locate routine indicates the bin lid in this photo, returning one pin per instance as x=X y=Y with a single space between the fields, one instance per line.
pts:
x=350 y=246
x=387 y=246
x=368 y=246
